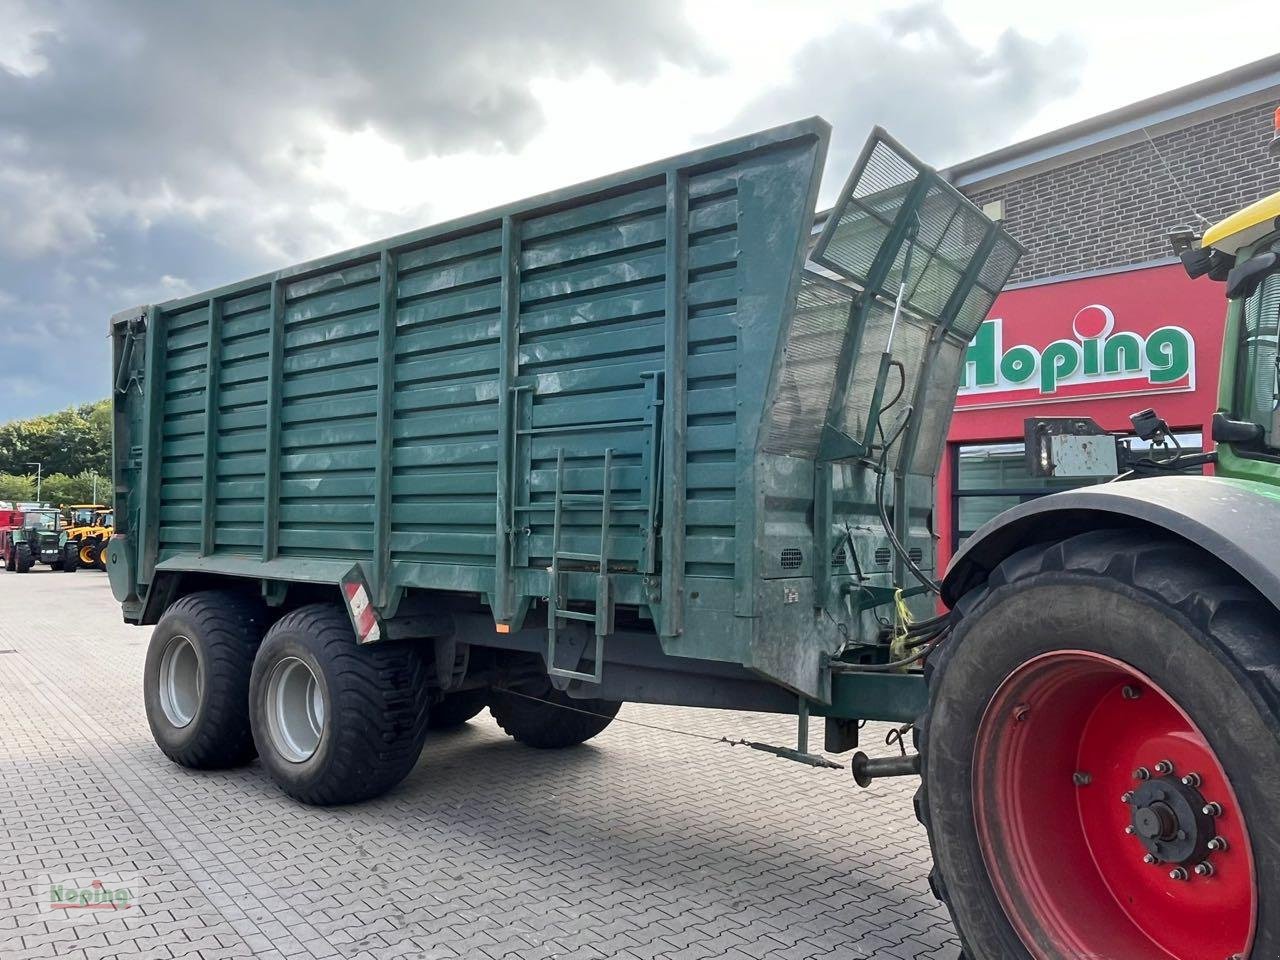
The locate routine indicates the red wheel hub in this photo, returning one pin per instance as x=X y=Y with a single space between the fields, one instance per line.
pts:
x=1108 y=826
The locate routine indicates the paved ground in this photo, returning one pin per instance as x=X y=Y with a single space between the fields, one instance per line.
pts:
x=637 y=845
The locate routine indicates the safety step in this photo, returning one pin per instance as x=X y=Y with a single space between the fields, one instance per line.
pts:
x=582 y=557
x=576 y=615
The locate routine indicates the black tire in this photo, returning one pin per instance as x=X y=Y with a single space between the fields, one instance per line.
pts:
x=70 y=557
x=88 y=552
x=1185 y=621
x=100 y=554
x=455 y=709
x=22 y=559
x=548 y=725
x=224 y=628
x=374 y=701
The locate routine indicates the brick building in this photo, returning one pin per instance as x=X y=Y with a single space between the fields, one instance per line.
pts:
x=1094 y=204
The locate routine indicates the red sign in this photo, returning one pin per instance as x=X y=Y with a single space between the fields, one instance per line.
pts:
x=1134 y=334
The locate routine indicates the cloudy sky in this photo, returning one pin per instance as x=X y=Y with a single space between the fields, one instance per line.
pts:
x=148 y=150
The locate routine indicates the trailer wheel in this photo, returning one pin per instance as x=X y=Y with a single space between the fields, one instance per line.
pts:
x=22 y=557
x=455 y=709
x=1101 y=757
x=196 y=679
x=545 y=722
x=335 y=722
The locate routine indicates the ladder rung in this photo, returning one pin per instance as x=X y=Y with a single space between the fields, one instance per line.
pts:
x=576 y=615
x=570 y=555
x=550 y=505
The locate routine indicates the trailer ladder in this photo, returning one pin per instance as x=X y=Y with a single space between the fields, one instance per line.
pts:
x=557 y=609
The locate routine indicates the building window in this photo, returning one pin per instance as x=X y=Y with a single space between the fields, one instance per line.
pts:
x=989 y=478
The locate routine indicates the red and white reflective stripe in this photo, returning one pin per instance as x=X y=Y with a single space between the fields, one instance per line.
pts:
x=367 y=629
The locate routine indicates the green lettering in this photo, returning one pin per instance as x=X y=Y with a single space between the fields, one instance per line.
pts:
x=1169 y=353
x=1059 y=360
x=1091 y=365
x=982 y=354
x=1122 y=354
x=1018 y=365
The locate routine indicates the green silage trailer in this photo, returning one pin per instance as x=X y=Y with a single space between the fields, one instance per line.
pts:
x=667 y=436
x=632 y=428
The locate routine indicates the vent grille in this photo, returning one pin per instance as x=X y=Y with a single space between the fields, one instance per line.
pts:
x=884 y=555
x=791 y=558
x=839 y=559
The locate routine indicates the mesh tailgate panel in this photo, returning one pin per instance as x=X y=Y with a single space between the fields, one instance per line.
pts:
x=809 y=367
x=888 y=188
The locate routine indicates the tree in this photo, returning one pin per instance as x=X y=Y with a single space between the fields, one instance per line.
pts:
x=17 y=488
x=70 y=442
x=59 y=489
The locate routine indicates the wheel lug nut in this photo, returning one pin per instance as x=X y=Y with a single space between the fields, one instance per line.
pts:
x=1213 y=809
x=1150 y=858
x=1130 y=830
x=1142 y=773
x=1191 y=780
x=1204 y=869
x=1128 y=797
x=1164 y=768
x=1081 y=779
x=1177 y=873
x=1218 y=844
x=1131 y=693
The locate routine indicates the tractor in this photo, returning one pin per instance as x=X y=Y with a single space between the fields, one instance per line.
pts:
x=89 y=526
x=35 y=534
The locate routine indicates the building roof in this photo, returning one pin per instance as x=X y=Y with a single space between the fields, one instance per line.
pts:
x=1253 y=81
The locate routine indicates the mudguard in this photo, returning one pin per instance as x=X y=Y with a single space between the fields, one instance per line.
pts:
x=1237 y=521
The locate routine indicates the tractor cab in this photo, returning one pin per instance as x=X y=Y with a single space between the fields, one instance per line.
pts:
x=83 y=514
x=1243 y=251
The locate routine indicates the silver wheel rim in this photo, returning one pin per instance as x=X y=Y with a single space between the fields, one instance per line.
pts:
x=181 y=681
x=295 y=710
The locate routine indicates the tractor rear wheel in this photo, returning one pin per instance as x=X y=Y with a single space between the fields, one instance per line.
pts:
x=336 y=722
x=22 y=559
x=1101 y=757
x=548 y=719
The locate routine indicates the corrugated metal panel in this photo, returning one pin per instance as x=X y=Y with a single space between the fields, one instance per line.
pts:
x=433 y=380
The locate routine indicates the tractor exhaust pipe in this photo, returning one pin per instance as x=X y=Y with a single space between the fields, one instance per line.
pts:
x=865 y=769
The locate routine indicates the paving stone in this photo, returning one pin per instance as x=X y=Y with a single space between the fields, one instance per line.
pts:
x=637 y=846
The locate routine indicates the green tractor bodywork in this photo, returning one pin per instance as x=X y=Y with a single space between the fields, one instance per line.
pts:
x=443 y=419
x=44 y=537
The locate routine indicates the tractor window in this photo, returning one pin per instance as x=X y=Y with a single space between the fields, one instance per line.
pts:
x=1257 y=385
x=41 y=520
x=81 y=518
